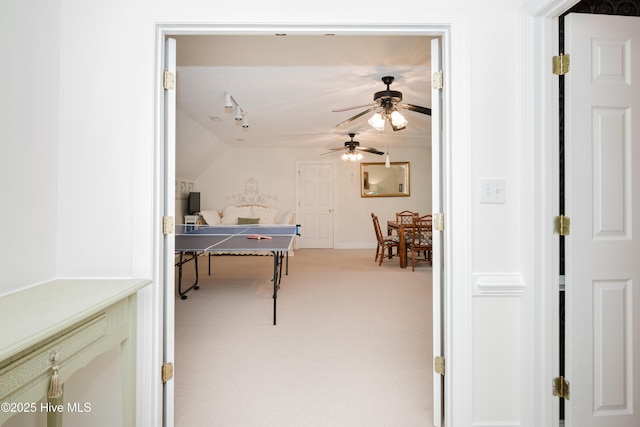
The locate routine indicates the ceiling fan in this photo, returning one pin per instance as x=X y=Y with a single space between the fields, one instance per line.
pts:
x=386 y=103
x=351 y=150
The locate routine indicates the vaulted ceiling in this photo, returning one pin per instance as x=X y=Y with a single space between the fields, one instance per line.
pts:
x=289 y=84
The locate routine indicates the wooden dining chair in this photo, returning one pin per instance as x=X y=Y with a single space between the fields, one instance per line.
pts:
x=420 y=240
x=384 y=242
x=404 y=220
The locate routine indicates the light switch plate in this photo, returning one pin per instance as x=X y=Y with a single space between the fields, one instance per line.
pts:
x=492 y=190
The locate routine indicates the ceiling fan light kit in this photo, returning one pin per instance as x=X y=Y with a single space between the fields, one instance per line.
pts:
x=352 y=156
x=386 y=104
x=352 y=150
x=398 y=120
x=377 y=122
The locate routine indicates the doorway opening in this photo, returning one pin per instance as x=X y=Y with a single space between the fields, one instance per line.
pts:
x=169 y=190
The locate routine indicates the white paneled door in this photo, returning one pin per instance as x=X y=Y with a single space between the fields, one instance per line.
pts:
x=602 y=182
x=315 y=205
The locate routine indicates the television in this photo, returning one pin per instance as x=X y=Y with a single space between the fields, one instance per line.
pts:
x=193 y=203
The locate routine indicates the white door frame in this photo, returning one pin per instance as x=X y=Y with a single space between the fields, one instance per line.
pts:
x=453 y=32
x=169 y=240
x=540 y=172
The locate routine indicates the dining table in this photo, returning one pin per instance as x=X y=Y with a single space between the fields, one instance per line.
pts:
x=402 y=241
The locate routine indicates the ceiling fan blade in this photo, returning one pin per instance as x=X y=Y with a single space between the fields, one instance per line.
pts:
x=353 y=108
x=333 y=151
x=370 y=150
x=417 y=108
x=360 y=114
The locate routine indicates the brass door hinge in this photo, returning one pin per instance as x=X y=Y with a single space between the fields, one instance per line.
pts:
x=168 y=80
x=560 y=64
x=437 y=80
x=167 y=225
x=438 y=221
x=561 y=225
x=438 y=365
x=167 y=371
x=561 y=387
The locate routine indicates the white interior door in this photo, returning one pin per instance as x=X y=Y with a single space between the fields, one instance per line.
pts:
x=315 y=205
x=169 y=239
x=438 y=261
x=602 y=178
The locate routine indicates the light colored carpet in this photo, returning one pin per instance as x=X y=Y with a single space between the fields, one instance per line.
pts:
x=352 y=346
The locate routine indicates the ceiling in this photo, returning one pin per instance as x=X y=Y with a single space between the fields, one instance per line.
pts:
x=289 y=85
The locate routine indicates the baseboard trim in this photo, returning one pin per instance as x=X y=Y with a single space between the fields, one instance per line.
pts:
x=355 y=246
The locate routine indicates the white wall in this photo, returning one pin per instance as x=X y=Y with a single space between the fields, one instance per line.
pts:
x=277 y=177
x=29 y=123
x=85 y=151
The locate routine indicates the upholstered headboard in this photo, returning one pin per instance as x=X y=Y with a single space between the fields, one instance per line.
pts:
x=248 y=213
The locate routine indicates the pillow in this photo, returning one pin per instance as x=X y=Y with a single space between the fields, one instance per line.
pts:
x=266 y=215
x=211 y=217
x=285 y=217
x=248 y=220
x=230 y=214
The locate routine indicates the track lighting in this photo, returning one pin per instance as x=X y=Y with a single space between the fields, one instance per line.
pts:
x=240 y=114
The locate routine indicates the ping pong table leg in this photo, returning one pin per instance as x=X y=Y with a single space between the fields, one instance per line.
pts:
x=277 y=276
x=275 y=285
x=194 y=258
x=278 y=260
x=180 y=276
x=274 y=310
x=195 y=284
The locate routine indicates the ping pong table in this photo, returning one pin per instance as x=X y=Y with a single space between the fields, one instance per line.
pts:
x=192 y=241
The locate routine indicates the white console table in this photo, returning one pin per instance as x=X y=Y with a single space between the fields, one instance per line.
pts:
x=58 y=327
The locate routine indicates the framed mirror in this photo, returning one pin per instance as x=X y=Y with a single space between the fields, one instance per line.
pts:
x=376 y=180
